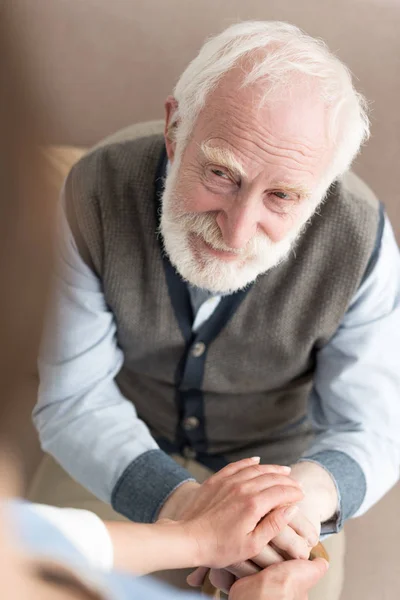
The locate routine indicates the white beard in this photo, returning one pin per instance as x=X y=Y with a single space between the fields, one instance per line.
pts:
x=202 y=269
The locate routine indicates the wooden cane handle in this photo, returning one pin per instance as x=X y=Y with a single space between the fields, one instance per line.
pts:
x=319 y=552
x=209 y=590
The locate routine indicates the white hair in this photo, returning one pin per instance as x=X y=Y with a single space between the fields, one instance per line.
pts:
x=279 y=51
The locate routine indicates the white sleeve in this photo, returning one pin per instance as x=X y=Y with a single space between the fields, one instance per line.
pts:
x=85 y=530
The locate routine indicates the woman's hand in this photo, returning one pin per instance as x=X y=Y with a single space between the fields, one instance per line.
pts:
x=236 y=512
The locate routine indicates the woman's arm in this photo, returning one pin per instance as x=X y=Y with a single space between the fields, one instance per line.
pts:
x=143 y=549
x=230 y=518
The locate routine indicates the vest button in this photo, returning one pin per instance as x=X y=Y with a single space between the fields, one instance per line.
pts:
x=190 y=423
x=198 y=349
x=189 y=453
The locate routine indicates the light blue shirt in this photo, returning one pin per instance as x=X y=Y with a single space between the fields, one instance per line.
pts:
x=90 y=428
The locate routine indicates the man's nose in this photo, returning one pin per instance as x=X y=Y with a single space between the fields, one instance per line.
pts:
x=238 y=223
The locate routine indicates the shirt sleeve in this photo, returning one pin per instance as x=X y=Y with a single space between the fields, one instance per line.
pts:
x=79 y=541
x=84 y=530
x=82 y=418
x=355 y=402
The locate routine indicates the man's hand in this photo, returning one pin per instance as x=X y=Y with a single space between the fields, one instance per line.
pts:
x=320 y=504
x=226 y=515
x=295 y=541
x=290 y=580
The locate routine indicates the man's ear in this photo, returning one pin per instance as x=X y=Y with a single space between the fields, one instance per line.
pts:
x=171 y=106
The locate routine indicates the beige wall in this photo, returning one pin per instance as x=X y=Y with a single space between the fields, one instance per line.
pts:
x=103 y=64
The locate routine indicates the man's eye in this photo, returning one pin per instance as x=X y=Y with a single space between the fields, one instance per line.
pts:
x=220 y=173
x=282 y=203
x=281 y=195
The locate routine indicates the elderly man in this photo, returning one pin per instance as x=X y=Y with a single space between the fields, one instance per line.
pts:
x=230 y=290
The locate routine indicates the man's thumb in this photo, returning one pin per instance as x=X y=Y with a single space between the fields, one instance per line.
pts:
x=311 y=572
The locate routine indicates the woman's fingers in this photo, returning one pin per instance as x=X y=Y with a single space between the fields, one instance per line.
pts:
x=196 y=577
x=265 y=481
x=304 y=528
x=270 y=498
x=235 y=467
x=254 y=467
x=275 y=524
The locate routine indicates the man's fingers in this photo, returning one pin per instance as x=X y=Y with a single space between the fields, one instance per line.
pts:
x=222 y=579
x=286 y=541
x=305 y=573
x=303 y=527
x=292 y=578
x=267 y=557
x=243 y=569
x=317 y=569
x=196 y=578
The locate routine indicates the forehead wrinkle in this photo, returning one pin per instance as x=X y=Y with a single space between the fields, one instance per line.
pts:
x=253 y=119
x=252 y=154
x=283 y=153
x=263 y=133
x=266 y=143
x=259 y=142
x=249 y=154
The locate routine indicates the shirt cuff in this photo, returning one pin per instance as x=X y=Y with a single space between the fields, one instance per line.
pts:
x=146 y=484
x=350 y=484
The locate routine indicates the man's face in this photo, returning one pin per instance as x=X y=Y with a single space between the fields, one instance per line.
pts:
x=240 y=192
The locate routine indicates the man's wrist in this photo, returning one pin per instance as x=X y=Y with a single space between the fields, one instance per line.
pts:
x=319 y=488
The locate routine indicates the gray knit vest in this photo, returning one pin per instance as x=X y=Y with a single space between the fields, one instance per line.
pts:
x=247 y=374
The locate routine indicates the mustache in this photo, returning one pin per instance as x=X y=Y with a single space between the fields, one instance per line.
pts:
x=205 y=226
